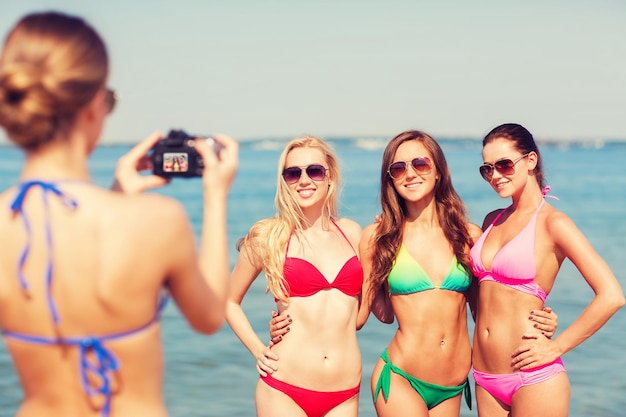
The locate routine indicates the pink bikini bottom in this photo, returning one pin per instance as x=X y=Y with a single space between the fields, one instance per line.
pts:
x=503 y=386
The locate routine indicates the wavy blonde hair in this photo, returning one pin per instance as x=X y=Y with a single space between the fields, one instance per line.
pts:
x=266 y=241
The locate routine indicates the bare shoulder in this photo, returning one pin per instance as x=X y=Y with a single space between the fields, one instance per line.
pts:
x=150 y=212
x=369 y=230
x=351 y=229
x=558 y=224
x=161 y=206
x=261 y=229
x=367 y=237
x=489 y=218
x=349 y=226
x=474 y=230
x=254 y=243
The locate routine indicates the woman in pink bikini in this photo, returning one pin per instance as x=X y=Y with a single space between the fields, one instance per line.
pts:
x=516 y=262
x=309 y=259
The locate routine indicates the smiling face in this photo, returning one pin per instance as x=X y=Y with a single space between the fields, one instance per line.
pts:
x=308 y=193
x=414 y=186
x=508 y=181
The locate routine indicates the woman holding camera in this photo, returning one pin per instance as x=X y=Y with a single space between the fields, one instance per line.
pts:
x=81 y=279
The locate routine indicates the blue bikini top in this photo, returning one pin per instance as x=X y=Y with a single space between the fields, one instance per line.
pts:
x=103 y=362
x=408 y=277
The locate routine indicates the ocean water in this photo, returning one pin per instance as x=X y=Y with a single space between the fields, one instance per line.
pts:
x=215 y=375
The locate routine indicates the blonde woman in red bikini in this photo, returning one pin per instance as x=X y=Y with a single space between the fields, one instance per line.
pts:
x=309 y=258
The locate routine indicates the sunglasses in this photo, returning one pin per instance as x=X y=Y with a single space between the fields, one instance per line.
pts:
x=503 y=166
x=315 y=172
x=421 y=166
x=110 y=100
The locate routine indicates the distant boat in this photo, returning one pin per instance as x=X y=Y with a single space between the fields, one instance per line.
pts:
x=370 y=144
x=268 y=145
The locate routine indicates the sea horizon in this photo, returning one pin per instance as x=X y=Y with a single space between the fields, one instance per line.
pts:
x=216 y=375
x=380 y=140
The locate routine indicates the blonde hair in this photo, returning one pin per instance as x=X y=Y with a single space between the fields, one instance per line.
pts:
x=52 y=65
x=266 y=241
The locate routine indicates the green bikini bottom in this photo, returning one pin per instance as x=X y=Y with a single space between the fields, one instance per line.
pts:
x=431 y=393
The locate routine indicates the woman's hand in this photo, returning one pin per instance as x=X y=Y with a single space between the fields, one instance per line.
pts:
x=279 y=326
x=219 y=168
x=127 y=178
x=545 y=320
x=535 y=351
x=266 y=362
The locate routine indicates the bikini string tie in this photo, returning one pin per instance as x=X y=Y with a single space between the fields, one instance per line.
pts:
x=18 y=207
x=103 y=364
x=545 y=191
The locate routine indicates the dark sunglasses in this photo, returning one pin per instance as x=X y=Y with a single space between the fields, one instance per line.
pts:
x=422 y=166
x=315 y=172
x=503 y=166
x=110 y=100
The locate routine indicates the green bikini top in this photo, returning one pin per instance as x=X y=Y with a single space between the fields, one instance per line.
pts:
x=408 y=277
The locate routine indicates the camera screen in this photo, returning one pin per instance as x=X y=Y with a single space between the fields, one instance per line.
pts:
x=175 y=162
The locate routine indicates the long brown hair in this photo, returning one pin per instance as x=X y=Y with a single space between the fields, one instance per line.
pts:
x=450 y=209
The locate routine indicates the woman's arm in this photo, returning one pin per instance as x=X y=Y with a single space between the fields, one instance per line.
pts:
x=609 y=296
x=572 y=244
x=244 y=273
x=198 y=280
x=378 y=302
x=472 y=294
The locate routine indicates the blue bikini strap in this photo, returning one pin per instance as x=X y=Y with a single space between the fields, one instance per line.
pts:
x=104 y=362
x=18 y=206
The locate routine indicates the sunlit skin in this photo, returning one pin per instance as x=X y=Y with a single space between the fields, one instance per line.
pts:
x=322 y=353
x=108 y=270
x=432 y=324
x=309 y=194
x=504 y=340
x=442 y=337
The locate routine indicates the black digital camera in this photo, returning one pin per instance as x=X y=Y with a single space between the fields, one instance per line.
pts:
x=176 y=156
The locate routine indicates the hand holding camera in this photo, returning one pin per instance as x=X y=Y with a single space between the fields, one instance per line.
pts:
x=128 y=179
x=176 y=155
x=221 y=154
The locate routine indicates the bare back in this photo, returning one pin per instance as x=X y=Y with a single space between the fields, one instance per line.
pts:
x=110 y=256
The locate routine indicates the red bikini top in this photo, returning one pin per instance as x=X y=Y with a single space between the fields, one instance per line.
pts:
x=304 y=279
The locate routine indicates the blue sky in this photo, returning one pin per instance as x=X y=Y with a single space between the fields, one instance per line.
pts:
x=270 y=68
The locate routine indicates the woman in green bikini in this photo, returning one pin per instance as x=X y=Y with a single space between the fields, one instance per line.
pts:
x=416 y=258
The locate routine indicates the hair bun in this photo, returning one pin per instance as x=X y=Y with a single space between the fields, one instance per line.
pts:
x=26 y=107
x=52 y=65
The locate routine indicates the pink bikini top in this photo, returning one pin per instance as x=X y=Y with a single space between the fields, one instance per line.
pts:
x=304 y=279
x=514 y=264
